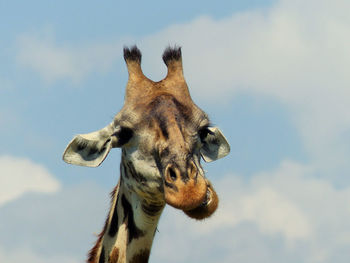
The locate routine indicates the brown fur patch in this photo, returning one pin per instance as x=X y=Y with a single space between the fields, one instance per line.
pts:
x=142 y=257
x=113 y=258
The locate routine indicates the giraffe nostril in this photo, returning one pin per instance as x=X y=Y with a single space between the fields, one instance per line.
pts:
x=172 y=174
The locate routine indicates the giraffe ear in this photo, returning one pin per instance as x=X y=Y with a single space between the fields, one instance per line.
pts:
x=215 y=145
x=92 y=148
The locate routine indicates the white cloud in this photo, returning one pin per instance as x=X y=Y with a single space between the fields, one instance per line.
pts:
x=295 y=52
x=59 y=227
x=20 y=175
x=53 y=61
x=284 y=215
x=274 y=213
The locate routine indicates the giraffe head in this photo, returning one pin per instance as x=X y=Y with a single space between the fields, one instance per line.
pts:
x=163 y=136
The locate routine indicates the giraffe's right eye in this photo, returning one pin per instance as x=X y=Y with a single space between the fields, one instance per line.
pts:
x=203 y=133
x=124 y=135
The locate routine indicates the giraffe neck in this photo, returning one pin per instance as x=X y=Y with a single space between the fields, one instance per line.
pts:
x=129 y=229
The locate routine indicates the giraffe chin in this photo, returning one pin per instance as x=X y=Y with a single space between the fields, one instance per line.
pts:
x=207 y=207
x=186 y=195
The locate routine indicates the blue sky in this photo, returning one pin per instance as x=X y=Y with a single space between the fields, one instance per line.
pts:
x=273 y=75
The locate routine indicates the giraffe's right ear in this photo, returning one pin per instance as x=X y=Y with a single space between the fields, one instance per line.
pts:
x=215 y=145
x=92 y=148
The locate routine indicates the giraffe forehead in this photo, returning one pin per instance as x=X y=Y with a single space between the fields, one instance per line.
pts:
x=166 y=110
x=162 y=110
x=165 y=103
x=171 y=119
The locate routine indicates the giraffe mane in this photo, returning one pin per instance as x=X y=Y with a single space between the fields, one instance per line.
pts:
x=93 y=253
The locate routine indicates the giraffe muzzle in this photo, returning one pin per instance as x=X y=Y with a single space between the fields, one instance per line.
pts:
x=208 y=207
x=184 y=190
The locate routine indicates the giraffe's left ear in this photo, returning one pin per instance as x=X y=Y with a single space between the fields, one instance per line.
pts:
x=215 y=145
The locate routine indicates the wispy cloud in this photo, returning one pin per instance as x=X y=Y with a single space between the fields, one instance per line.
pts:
x=52 y=61
x=20 y=175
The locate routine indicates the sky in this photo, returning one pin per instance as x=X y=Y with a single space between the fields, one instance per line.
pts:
x=273 y=75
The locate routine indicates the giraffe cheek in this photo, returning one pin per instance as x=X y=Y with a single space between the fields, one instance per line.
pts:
x=185 y=195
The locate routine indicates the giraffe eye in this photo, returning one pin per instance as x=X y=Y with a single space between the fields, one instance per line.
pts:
x=203 y=133
x=124 y=135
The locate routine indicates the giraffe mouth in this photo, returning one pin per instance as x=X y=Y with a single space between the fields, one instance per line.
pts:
x=207 y=207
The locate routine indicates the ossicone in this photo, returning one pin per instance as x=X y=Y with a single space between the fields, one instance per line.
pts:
x=171 y=54
x=173 y=60
x=132 y=54
x=132 y=57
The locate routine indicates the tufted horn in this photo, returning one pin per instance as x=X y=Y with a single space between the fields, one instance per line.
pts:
x=172 y=58
x=137 y=81
x=175 y=82
x=132 y=57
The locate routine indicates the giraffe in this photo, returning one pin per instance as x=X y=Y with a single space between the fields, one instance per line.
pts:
x=162 y=135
